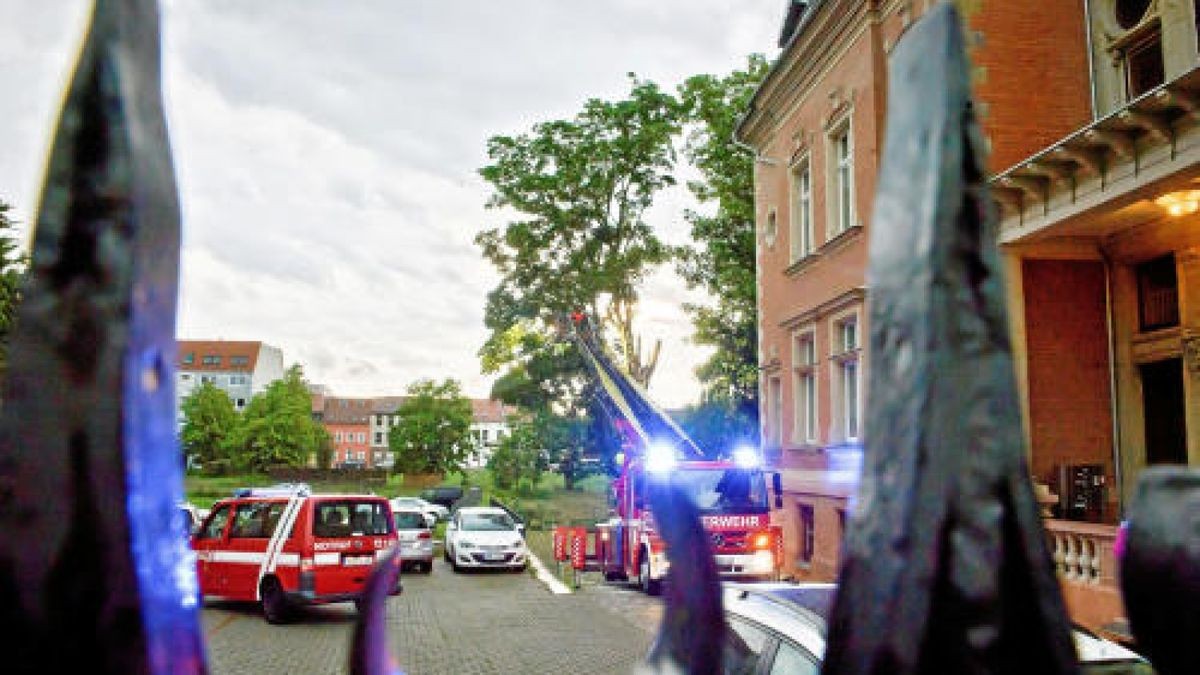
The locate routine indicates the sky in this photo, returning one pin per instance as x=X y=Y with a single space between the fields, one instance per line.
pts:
x=326 y=153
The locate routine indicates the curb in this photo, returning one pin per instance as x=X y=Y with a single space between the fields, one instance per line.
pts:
x=543 y=575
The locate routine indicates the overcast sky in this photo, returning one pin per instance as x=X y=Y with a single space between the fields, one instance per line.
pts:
x=326 y=153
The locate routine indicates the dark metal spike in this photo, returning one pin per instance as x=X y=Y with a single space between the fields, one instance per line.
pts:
x=692 y=633
x=945 y=566
x=94 y=561
x=369 y=654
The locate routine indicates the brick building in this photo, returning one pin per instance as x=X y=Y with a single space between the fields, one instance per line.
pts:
x=1089 y=113
x=348 y=421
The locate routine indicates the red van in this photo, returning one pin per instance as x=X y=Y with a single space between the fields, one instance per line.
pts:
x=287 y=548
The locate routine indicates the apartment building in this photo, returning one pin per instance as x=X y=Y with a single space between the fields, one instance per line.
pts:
x=348 y=421
x=239 y=368
x=1089 y=111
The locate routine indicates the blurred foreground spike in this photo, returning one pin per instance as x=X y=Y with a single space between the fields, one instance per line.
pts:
x=1160 y=573
x=692 y=633
x=95 y=567
x=945 y=565
x=369 y=653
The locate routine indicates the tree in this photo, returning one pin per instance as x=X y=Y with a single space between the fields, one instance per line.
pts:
x=520 y=456
x=434 y=433
x=209 y=421
x=723 y=261
x=277 y=427
x=13 y=262
x=578 y=190
x=719 y=426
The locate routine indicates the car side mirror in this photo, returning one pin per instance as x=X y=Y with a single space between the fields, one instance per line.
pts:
x=777 y=484
x=521 y=528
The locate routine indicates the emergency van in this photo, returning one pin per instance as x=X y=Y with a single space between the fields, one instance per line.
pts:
x=285 y=547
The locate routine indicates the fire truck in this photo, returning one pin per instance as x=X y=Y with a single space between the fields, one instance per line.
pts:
x=730 y=490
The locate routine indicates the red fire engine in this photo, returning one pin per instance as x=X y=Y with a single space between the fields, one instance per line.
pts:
x=731 y=494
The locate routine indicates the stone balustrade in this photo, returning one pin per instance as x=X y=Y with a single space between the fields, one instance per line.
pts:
x=1083 y=552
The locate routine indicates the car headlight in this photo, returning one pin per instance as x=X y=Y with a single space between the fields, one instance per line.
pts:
x=466 y=544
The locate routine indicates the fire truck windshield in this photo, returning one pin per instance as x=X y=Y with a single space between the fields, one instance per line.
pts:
x=724 y=490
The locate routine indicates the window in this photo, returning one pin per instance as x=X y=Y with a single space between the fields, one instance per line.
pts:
x=804 y=359
x=343 y=519
x=189 y=358
x=256 y=520
x=1158 y=294
x=240 y=403
x=808 y=536
x=841 y=192
x=771 y=230
x=801 y=235
x=216 y=524
x=846 y=360
x=211 y=360
x=791 y=659
x=744 y=645
x=239 y=361
x=185 y=376
x=208 y=379
x=361 y=437
x=378 y=438
x=774 y=412
x=1144 y=65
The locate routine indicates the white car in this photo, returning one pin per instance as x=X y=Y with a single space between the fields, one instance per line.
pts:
x=485 y=537
x=415 y=538
x=438 y=511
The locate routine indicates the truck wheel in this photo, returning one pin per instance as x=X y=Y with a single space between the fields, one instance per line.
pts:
x=649 y=586
x=276 y=609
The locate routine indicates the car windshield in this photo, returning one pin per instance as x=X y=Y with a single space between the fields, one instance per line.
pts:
x=487 y=522
x=724 y=490
x=409 y=520
x=350 y=518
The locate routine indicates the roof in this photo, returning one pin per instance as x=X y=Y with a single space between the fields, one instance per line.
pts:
x=387 y=405
x=791 y=20
x=347 y=410
x=218 y=355
x=487 y=410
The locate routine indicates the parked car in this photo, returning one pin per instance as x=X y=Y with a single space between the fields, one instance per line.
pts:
x=438 y=511
x=781 y=628
x=485 y=537
x=286 y=548
x=416 y=540
x=445 y=495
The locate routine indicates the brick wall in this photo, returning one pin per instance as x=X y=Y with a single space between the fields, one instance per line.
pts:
x=1031 y=73
x=1069 y=390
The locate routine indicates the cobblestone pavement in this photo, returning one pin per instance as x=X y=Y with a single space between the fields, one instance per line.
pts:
x=486 y=622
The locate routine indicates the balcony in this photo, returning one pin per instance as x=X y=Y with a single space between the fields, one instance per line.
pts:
x=1087 y=570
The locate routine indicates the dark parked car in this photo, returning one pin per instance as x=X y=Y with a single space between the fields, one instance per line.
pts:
x=445 y=495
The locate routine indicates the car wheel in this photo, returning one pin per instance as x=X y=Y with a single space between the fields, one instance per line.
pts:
x=276 y=609
x=649 y=586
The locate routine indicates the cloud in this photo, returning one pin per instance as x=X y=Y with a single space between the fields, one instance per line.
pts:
x=327 y=151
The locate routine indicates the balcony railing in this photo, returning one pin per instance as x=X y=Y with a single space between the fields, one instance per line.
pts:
x=1083 y=552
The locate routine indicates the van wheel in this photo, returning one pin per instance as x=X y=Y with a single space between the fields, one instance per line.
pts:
x=276 y=609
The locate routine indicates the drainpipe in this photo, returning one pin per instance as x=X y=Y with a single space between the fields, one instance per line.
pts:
x=1112 y=377
x=1087 y=33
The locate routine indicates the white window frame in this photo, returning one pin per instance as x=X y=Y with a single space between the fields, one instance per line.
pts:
x=806 y=401
x=800 y=231
x=841 y=195
x=848 y=427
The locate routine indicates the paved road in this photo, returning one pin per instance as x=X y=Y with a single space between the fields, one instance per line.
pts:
x=449 y=623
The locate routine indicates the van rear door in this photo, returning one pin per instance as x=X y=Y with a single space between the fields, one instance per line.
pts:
x=349 y=534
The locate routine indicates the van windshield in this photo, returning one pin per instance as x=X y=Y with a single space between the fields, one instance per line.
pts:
x=724 y=490
x=350 y=518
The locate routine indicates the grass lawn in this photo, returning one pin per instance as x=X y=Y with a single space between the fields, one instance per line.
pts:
x=541 y=506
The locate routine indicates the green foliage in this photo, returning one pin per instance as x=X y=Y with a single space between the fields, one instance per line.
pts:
x=578 y=190
x=209 y=420
x=519 y=457
x=13 y=262
x=434 y=433
x=277 y=427
x=719 y=426
x=722 y=262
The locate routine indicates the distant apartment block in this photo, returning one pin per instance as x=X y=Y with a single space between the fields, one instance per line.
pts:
x=489 y=425
x=239 y=368
x=348 y=421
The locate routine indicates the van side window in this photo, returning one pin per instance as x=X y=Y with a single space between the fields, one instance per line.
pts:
x=216 y=524
x=346 y=519
x=256 y=520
